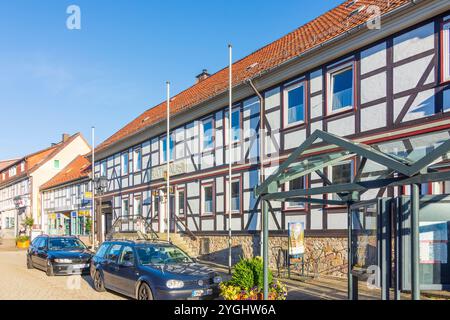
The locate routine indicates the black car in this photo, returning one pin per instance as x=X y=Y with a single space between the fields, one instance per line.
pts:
x=147 y=270
x=59 y=255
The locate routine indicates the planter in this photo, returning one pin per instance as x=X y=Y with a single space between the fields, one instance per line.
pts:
x=23 y=244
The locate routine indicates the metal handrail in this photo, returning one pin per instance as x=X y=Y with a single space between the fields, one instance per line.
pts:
x=186 y=229
x=131 y=222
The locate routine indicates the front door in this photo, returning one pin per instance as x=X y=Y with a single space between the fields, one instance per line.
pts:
x=126 y=273
x=110 y=266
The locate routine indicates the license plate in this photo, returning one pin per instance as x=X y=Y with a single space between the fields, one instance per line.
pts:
x=80 y=266
x=199 y=293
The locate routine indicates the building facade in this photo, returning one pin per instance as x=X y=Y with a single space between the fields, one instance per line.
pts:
x=338 y=74
x=21 y=180
x=67 y=200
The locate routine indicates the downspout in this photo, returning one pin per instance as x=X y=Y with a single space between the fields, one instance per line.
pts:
x=262 y=139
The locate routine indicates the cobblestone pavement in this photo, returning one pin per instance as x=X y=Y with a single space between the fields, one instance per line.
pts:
x=19 y=283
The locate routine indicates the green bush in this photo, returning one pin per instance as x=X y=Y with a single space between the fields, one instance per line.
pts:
x=249 y=273
x=22 y=238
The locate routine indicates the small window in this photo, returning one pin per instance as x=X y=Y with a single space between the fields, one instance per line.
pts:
x=235 y=125
x=125 y=207
x=22 y=167
x=56 y=164
x=137 y=160
x=341 y=89
x=127 y=256
x=102 y=250
x=181 y=203
x=163 y=148
x=294 y=101
x=236 y=196
x=207 y=199
x=137 y=207
x=446 y=51
x=339 y=174
x=114 y=252
x=103 y=169
x=296 y=184
x=125 y=163
x=208 y=134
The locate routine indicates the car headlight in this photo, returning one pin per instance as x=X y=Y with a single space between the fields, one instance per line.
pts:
x=217 y=279
x=63 y=261
x=175 y=284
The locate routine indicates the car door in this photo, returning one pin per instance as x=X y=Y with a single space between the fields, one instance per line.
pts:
x=41 y=255
x=126 y=274
x=109 y=266
x=34 y=250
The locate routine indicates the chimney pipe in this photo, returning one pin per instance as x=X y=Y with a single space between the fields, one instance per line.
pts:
x=202 y=76
x=65 y=137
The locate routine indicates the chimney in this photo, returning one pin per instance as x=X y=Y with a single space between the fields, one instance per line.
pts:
x=65 y=137
x=202 y=76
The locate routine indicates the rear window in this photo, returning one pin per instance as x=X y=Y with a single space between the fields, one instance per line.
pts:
x=102 y=250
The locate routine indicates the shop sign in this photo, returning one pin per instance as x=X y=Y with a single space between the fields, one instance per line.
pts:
x=73 y=214
x=175 y=168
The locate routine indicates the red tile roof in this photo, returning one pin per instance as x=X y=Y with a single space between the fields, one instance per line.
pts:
x=6 y=163
x=312 y=34
x=79 y=168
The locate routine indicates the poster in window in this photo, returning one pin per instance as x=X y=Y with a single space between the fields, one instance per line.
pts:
x=296 y=234
x=433 y=242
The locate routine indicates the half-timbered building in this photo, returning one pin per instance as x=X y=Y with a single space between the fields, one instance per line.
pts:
x=370 y=70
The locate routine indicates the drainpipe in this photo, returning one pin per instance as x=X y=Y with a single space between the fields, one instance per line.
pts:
x=262 y=141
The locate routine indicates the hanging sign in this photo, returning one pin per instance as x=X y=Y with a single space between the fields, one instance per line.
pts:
x=296 y=234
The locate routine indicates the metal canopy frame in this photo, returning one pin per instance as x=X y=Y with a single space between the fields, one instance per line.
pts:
x=400 y=171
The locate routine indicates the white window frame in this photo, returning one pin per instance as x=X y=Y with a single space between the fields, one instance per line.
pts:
x=288 y=205
x=286 y=100
x=234 y=180
x=202 y=134
x=181 y=190
x=136 y=152
x=330 y=81
x=329 y=173
x=445 y=63
x=234 y=109
x=123 y=207
x=207 y=185
x=103 y=168
x=171 y=154
x=135 y=206
x=122 y=161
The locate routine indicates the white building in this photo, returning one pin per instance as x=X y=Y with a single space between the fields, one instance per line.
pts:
x=21 y=179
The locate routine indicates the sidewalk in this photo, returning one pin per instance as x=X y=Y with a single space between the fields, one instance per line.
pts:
x=327 y=288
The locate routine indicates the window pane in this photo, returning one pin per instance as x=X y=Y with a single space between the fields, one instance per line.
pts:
x=342 y=89
x=341 y=174
x=138 y=160
x=208 y=196
x=207 y=134
x=295 y=105
x=297 y=184
x=235 y=196
x=181 y=202
x=125 y=163
x=164 y=148
x=235 y=124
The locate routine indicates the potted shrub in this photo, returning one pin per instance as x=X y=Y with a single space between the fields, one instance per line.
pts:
x=246 y=283
x=23 y=242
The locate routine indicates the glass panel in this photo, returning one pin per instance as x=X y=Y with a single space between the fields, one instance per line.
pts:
x=364 y=236
x=295 y=105
x=235 y=198
x=208 y=199
x=181 y=202
x=208 y=134
x=235 y=124
x=297 y=184
x=339 y=174
x=342 y=89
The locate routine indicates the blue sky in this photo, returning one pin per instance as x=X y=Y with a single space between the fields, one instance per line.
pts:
x=55 y=80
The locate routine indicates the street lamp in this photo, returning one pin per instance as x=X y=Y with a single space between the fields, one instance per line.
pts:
x=18 y=204
x=100 y=186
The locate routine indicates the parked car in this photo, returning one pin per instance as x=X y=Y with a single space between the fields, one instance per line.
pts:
x=59 y=255
x=151 y=270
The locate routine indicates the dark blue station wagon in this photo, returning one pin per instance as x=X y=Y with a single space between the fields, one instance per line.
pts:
x=151 y=270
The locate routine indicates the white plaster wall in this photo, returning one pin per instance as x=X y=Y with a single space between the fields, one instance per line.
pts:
x=272 y=98
x=294 y=139
x=373 y=117
x=414 y=42
x=373 y=58
x=316 y=219
x=316 y=81
x=342 y=127
x=337 y=221
x=422 y=106
x=373 y=88
x=407 y=76
x=316 y=106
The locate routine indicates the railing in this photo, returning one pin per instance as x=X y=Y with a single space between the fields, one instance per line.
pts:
x=132 y=224
x=186 y=229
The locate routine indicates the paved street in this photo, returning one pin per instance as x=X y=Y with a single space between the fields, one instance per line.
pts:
x=19 y=283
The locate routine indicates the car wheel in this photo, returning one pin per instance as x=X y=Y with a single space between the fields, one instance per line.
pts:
x=99 y=285
x=49 y=270
x=144 y=292
x=29 y=263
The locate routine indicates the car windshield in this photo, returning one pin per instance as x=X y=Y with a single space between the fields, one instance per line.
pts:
x=65 y=243
x=156 y=254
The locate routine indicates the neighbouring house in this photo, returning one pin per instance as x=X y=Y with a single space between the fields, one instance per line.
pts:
x=338 y=73
x=67 y=200
x=21 y=180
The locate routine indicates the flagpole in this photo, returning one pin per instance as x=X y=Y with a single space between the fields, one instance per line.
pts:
x=92 y=189
x=168 y=161
x=230 y=106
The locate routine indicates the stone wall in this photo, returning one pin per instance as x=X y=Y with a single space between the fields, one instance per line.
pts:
x=323 y=256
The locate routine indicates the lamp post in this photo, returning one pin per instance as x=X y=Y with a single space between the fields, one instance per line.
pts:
x=100 y=186
x=17 y=203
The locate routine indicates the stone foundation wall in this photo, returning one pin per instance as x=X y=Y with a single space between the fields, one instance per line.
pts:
x=323 y=256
